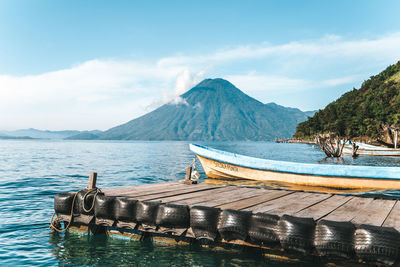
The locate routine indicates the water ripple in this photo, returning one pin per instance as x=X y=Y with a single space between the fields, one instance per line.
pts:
x=32 y=172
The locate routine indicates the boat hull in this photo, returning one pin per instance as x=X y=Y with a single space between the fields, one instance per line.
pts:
x=373 y=152
x=218 y=169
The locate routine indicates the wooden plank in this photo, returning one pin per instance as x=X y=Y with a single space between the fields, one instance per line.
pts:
x=158 y=190
x=276 y=203
x=196 y=195
x=141 y=186
x=242 y=194
x=167 y=191
x=349 y=210
x=375 y=213
x=297 y=206
x=151 y=190
x=207 y=199
x=393 y=220
x=323 y=208
x=122 y=189
x=249 y=202
x=190 y=189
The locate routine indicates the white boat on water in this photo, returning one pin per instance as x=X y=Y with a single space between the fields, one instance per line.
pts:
x=370 y=150
x=222 y=164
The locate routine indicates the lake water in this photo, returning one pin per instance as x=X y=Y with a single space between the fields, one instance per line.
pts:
x=32 y=172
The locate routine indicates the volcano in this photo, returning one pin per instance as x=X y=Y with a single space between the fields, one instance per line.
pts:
x=212 y=110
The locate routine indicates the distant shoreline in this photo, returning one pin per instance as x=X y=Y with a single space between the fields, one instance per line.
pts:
x=295 y=141
x=27 y=138
x=17 y=138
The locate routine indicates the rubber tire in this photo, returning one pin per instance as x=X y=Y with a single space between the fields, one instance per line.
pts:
x=377 y=244
x=78 y=207
x=173 y=216
x=203 y=221
x=296 y=234
x=263 y=228
x=104 y=207
x=125 y=209
x=334 y=238
x=146 y=212
x=234 y=224
x=63 y=203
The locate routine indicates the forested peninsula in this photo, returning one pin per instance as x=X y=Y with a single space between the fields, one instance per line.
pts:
x=370 y=113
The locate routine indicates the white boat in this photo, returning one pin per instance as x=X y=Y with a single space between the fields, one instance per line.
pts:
x=222 y=164
x=370 y=150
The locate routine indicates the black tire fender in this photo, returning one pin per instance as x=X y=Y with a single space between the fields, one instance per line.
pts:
x=296 y=233
x=104 y=207
x=146 y=212
x=263 y=228
x=334 y=238
x=173 y=216
x=203 y=221
x=377 y=244
x=81 y=200
x=63 y=203
x=125 y=209
x=233 y=224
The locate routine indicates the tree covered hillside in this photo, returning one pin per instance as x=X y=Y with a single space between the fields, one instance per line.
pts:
x=369 y=111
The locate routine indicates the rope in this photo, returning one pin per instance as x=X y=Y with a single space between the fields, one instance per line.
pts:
x=96 y=190
x=54 y=222
x=195 y=176
x=194 y=164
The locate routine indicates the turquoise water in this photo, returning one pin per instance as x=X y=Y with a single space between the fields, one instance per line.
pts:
x=32 y=172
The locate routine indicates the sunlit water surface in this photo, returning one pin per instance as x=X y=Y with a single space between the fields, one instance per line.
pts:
x=32 y=172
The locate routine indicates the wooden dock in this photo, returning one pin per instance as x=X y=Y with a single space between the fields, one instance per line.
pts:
x=358 y=210
x=358 y=229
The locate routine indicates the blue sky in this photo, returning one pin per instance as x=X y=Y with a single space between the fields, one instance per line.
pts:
x=96 y=64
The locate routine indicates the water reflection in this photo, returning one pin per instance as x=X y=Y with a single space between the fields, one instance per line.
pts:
x=288 y=186
x=75 y=249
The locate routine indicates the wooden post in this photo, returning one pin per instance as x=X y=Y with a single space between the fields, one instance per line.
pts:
x=92 y=180
x=187 y=177
x=188 y=173
x=395 y=137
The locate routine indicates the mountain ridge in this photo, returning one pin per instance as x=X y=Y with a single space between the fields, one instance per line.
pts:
x=33 y=133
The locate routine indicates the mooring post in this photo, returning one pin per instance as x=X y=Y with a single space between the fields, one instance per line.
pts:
x=188 y=173
x=92 y=180
x=188 y=176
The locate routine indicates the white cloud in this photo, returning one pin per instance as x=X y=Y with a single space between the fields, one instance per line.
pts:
x=282 y=84
x=330 y=46
x=103 y=93
x=109 y=91
x=340 y=81
x=254 y=82
x=184 y=82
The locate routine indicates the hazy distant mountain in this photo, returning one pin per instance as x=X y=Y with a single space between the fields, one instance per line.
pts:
x=310 y=113
x=86 y=135
x=213 y=110
x=7 y=137
x=34 y=133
